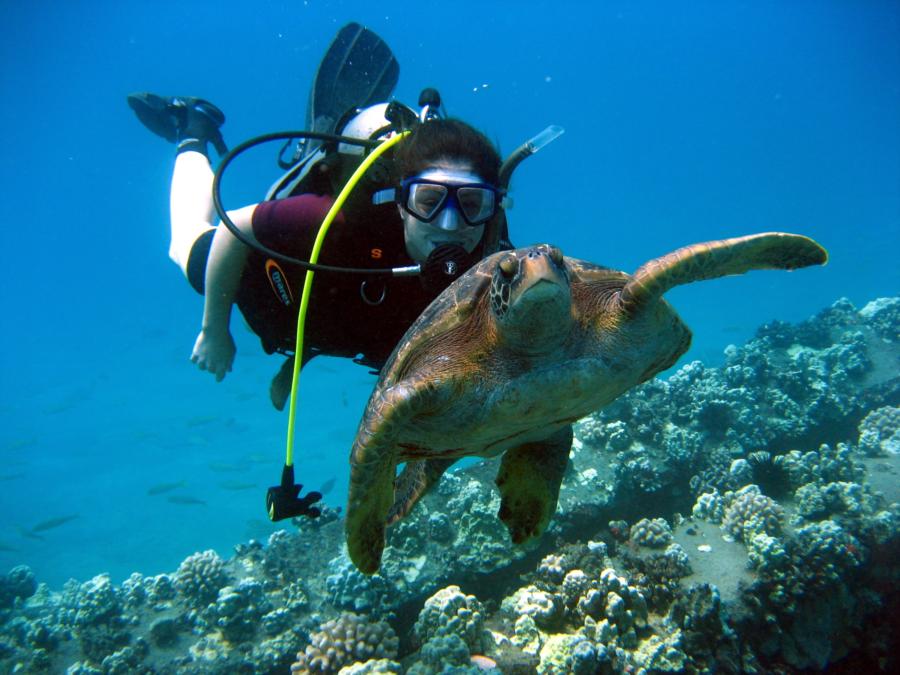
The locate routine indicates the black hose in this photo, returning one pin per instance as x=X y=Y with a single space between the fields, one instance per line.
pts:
x=272 y=253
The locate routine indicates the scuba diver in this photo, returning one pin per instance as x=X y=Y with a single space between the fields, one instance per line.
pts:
x=432 y=204
x=416 y=199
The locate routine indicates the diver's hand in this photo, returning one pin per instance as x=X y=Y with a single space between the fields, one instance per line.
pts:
x=214 y=351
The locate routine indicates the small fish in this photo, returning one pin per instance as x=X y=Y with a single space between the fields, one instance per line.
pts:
x=29 y=534
x=68 y=402
x=7 y=548
x=12 y=476
x=186 y=500
x=222 y=467
x=162 y=488
x=236 y=485
x=20 y=444
x=52 y=523
x=327 y=486
x=60 y=407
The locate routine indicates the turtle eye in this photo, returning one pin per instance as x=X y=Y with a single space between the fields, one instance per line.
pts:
x=508 y=266
x=556 y=255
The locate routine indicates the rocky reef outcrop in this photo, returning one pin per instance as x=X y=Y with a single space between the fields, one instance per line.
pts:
x=743 y=518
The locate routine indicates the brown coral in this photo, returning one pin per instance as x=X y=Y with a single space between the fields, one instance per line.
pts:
x=344 y=641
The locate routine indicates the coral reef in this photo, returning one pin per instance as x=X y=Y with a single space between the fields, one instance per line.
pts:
x=240 y=609
x=199 y=578
x=17 y=584
x=811 y=383
x=879 y=433
x=350 y=589
x=736 y=519
x=710 y=507
x=651 y=533
x=544 y=608
x=349 y=639
x=750 y=512
x=452 y=612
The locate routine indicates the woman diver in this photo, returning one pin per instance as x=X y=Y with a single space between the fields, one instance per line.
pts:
x=430 y=204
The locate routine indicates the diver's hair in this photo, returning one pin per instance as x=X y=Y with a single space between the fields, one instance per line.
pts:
x=448 y=139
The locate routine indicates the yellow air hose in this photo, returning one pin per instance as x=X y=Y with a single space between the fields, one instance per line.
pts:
x=307 y=283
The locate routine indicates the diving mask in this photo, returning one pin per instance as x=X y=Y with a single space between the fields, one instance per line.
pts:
x=427 y=195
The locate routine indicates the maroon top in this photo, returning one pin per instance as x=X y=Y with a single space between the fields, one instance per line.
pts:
x=339 y=322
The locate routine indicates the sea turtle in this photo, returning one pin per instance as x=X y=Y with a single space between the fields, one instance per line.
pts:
x=508 y=357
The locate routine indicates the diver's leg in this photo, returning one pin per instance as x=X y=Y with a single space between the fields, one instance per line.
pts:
x=191 y=209
x=192 y=124
x=188 y=121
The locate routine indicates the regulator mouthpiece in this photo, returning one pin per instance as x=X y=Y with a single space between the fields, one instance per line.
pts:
x=445 y=264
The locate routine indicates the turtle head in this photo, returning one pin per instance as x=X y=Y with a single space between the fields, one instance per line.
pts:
x=531 y=300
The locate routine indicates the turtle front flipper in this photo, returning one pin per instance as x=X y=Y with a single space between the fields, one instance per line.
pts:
x=416 y=479
x=371 y=496
x=714 y=259
x=529 y=480
x=373 y=467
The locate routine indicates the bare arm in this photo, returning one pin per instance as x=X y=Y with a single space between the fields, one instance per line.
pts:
x=214 y=349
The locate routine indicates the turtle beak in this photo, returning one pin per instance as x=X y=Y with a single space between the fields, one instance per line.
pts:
x=540 y=305
x=542 y=267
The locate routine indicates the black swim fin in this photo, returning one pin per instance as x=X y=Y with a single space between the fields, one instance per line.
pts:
x=177 y=118
x=357 y=71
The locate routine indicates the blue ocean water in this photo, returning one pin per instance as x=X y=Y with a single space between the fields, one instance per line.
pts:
x=683 y=123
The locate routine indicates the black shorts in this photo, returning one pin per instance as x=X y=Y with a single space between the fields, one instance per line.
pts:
x=196 y=266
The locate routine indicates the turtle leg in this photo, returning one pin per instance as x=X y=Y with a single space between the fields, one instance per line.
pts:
x=373 y=467
x=371 y=496
x=529 y=480
x=416 y=479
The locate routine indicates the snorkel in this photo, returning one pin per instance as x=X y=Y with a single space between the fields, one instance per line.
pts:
x=284 y=500
x=516 y=157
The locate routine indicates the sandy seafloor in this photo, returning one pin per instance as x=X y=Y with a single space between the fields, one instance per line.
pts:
x=682 y=125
